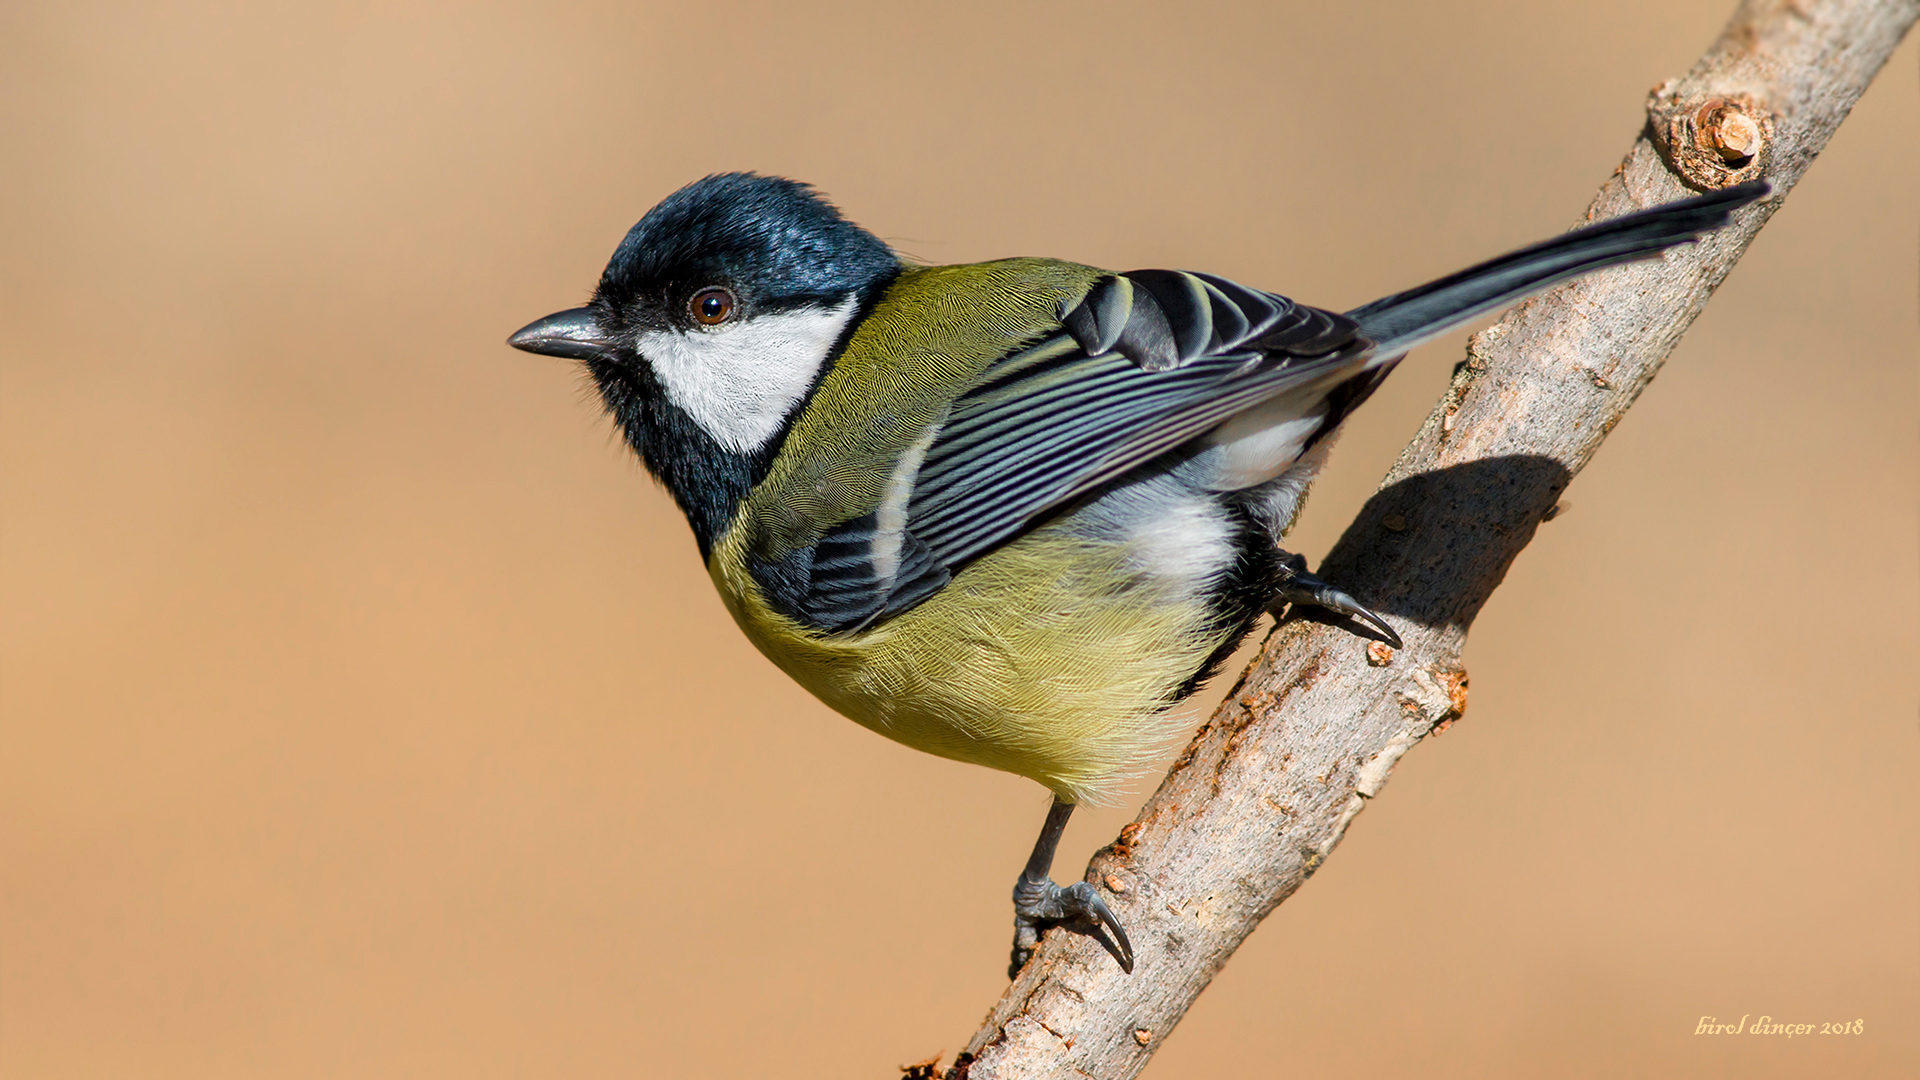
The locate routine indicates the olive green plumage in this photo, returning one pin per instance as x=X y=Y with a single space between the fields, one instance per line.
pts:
x=931 y=335
x=1049 y=657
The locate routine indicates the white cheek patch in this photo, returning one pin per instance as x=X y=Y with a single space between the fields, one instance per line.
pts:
x=740 y=381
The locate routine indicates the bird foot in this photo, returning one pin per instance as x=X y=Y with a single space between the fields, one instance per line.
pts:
x=1038 y=905
x=1300 y=587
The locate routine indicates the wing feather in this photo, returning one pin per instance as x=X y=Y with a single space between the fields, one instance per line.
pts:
x=1146 y=362
x=1021 y=457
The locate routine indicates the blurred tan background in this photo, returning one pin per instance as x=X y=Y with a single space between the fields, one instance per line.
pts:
x=365 y=712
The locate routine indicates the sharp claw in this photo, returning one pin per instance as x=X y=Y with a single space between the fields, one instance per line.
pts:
x=1338 y=601
x=1105 y=914
x=1041 y=904
x=1393 y=639
x=1304 y=588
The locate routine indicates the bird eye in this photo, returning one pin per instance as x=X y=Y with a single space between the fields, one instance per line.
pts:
x=711 y=307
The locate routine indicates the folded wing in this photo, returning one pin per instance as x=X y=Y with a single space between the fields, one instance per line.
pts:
x=1146 y=362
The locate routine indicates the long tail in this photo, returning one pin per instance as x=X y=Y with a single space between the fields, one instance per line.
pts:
x=1404 y=320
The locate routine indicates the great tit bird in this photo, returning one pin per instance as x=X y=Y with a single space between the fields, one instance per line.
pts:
x=1007 y=512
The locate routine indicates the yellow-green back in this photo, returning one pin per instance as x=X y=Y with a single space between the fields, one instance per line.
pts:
x=933 y=332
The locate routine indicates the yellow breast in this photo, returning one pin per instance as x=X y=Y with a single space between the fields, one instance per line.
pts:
x=1053 y=657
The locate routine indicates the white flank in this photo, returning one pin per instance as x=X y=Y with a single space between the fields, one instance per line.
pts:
x=739 y=381
x=1187 y=543
x=1263 y=442
x=1279 y=500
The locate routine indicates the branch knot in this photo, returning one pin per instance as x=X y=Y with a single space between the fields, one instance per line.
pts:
x=1711 y=140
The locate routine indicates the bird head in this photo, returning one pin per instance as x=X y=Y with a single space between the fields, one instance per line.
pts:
x=712 y=323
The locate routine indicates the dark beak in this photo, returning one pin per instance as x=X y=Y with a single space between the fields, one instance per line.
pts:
x=573 y=334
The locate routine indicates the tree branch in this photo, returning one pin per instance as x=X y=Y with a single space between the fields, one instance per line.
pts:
x=1269 y=785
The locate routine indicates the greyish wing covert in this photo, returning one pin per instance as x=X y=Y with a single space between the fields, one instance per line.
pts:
x=1146 y=362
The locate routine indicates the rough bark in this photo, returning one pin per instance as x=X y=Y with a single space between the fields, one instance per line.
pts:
x=1269 y=785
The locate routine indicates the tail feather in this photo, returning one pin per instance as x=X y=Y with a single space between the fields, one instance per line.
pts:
x=1404 y=320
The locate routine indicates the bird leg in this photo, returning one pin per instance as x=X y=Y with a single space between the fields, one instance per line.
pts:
x=1299 y=587
x=1038 y=903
